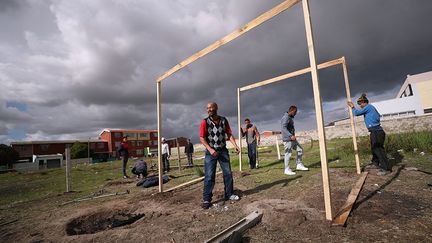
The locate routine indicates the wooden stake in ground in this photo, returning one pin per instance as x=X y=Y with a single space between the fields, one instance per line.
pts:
x=68 y=170
x=159 y=127
x=318 y=110
x=353 y=129
x=240 y=134
x=178 y=153
x=277 y=148
x=188 y=183
x=344 y=212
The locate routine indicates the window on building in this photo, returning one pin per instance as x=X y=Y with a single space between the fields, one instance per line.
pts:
x=101 y=145
x=139 y=143
x=407 y=92
x=117 y=135
x=426 y=111
x=133 y=143
x=139 y=152
x=154 y=134
x=144 y=135
x=44 y=146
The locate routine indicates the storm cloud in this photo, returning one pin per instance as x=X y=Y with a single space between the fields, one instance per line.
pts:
x=81 y=66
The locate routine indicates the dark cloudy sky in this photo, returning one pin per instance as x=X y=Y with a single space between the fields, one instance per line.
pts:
x=68 y=69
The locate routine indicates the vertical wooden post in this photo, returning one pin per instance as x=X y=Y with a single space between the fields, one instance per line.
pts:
x=353 y=129
x=318 y=109
x=239 y=129
x=277 y=148
x=68 y=170
x=178 y=153
x=159 y=127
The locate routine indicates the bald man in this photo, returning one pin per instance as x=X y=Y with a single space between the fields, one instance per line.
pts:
x=214 y=133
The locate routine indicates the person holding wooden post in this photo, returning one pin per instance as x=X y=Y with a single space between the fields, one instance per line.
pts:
x=377 y=135
x=290 y=141
x=252 y=139
x=214 y=132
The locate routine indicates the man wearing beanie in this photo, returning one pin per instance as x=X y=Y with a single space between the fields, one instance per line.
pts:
x=377 y=134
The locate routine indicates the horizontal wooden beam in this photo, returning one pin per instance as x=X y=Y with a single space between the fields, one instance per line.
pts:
x=292 y=74
x=252 y=24
x=188 y=183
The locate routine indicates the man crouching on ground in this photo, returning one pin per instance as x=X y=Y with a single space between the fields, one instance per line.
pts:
x=214 y=131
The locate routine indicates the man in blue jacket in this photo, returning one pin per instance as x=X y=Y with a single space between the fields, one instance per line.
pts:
x=290 y=141
x=377 y=134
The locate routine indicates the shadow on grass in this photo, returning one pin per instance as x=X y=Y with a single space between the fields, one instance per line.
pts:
x=264 y=187
x=373 y=193
x=318 y=163
x=271 y=164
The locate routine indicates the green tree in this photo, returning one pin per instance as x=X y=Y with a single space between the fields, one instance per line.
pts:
x=79 y=150
x=8 y=155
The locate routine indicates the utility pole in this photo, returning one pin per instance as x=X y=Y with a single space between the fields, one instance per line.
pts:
x=88 y=150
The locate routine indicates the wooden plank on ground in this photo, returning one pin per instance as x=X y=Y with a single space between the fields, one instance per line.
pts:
x=344 y=212
x=239 y=227
x=188 y=183
x=252 y=24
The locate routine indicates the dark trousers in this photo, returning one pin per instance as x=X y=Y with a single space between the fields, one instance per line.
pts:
x=125 y=160
x=210 y=174
x=190 y=159
x=252 y=148
x=379 y=157
x=165 y=162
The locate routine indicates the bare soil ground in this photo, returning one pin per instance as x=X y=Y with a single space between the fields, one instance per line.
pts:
x=392 y=208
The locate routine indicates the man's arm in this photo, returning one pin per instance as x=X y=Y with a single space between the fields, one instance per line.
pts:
x=257 y=134
x=233 y=142
x=207 y=146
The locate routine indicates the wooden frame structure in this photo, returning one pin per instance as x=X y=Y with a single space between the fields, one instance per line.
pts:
x=339 y=61
x=315 y=81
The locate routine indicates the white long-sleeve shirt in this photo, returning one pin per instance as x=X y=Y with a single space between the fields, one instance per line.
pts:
x=165 y=149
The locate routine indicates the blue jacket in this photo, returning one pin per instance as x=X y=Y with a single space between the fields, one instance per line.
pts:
x=371 y=116
x=287 y=127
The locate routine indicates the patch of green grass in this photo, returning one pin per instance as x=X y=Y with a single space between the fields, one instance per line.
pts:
x=88 y=178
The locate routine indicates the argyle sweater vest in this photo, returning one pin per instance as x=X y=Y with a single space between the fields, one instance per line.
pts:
x=216 y=136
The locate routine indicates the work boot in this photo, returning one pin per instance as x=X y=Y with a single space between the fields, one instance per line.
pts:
x=234 y=197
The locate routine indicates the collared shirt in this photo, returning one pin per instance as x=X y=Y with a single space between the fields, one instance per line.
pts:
x=165 y=149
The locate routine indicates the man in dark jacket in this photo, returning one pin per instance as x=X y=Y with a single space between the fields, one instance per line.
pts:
x=124 y=153
x=189 y=150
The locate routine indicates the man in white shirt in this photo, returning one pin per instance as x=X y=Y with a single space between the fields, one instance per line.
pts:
x=165 y=156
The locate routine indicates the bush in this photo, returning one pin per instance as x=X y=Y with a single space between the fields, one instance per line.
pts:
x=8 y=155
x=79 y=150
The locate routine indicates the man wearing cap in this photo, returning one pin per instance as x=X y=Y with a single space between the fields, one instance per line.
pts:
x=124 y=153
x=377 y=134
x=165 y=156
x=214 y=133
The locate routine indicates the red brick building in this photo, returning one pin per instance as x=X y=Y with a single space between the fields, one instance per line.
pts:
x=27 y=149
x=138 y=140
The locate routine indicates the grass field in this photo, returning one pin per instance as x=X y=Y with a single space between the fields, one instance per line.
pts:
x=17 y=188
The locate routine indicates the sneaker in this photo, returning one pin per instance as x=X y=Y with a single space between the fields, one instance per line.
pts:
x=234 y=197
x=126 y=177
x=289 y=172
x=383 y=172
x=300 y=166
x=206 y=205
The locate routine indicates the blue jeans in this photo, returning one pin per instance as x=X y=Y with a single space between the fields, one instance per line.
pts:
x=252 y=148
x=210 y=174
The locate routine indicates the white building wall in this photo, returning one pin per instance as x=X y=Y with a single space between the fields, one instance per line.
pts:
x=399 y=105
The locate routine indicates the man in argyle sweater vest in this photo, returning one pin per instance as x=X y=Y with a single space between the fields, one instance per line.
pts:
x=214 y=131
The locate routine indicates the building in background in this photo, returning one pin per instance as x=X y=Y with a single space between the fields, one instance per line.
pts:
x=413 y=99
x=27 y=150
x=139 y=140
